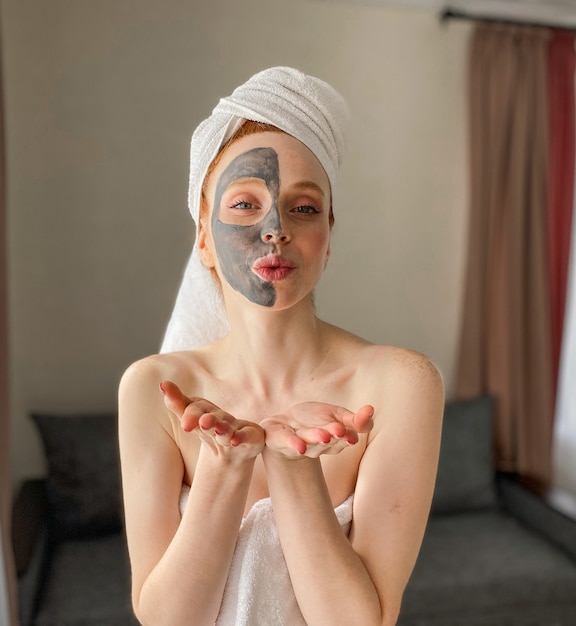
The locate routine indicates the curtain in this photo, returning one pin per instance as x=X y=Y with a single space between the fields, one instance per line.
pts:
x=7 y=579
x=564 y=456
x=562 y=62
x=505 y=343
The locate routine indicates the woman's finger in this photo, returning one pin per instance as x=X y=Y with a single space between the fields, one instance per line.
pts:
x=247 y=435
x=174 y=399
x=282 y=438
x=362 y=421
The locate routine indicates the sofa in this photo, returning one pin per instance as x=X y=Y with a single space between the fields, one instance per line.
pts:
x=69 y=544
x=494 y=553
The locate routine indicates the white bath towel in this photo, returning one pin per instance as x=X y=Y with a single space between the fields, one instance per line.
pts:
x=258 y=591
x=305 y=107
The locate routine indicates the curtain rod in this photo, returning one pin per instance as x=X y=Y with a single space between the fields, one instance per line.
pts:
x=455 y=14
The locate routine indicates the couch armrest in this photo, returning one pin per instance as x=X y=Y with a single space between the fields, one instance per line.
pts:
x=30 y=544
x=537 y=511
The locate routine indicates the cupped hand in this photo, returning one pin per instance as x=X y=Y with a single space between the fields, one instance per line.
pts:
x=313 y=428
x=222 y=432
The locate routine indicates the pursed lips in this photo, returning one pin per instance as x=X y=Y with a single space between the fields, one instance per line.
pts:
x=273 y=267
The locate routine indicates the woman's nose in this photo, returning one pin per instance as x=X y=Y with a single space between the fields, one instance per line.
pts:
x=273 y=230
x=274 y=235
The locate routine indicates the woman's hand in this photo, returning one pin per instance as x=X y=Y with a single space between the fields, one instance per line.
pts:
x=220 y=431
x=313 y=428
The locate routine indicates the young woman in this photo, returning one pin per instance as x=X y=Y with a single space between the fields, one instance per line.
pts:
x=282 y=473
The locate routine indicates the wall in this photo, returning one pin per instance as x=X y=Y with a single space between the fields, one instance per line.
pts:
x=101 y=100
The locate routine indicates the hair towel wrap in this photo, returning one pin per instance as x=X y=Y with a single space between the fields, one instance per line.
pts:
x=303 y=106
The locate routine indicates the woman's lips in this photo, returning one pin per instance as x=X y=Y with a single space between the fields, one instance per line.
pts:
x=273 y=268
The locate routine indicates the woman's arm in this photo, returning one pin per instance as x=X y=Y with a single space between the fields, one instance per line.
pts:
x=180 y=565
x=361 y=579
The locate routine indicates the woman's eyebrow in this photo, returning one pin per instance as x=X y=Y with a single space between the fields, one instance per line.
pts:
x=308 y=185
x=302 y=185
x=246 y=180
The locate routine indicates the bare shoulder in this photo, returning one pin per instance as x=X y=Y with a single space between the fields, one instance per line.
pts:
x=393 y=363
x=385 y=362
x=140 y=405
x=141 y=373
x=402 y=364
x=404 y=384
x=140 y=401
x=152 y=370
x=386 y=373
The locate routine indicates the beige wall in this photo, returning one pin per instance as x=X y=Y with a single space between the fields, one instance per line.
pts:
x=101 y=100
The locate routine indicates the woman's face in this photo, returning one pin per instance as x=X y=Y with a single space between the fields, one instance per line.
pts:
x=269 y=232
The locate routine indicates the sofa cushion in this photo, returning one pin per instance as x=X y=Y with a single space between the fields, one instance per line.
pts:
x=88 y=584
x=83 y=482
x=466 y=476
x=485 y=568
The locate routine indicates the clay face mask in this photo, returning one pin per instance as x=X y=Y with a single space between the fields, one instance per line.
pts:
x=238 y=247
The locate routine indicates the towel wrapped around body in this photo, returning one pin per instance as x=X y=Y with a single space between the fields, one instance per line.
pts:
x=258 y=591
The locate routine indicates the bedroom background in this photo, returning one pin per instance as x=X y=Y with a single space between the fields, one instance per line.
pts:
x=100 y=101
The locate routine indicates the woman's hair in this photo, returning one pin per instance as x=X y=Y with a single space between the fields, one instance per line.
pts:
x=249 y=127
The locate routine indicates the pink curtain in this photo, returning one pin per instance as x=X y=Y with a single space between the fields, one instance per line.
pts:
x=505 y=345
x=561 y=66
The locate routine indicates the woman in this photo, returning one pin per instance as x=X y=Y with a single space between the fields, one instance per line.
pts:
x=303 y=457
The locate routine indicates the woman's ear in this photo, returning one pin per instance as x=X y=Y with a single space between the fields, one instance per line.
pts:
x=204 y=247
x=327 y=257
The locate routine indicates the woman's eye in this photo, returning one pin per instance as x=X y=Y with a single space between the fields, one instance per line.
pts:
x=306 y=209
x=243 y=204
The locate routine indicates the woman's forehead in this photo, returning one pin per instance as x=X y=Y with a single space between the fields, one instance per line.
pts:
x=295 y=160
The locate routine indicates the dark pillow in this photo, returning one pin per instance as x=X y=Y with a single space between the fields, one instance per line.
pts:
x=83 y=482
x=466 y=468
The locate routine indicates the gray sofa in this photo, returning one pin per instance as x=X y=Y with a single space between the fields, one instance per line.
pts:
x=494 y=553
x=69 y=544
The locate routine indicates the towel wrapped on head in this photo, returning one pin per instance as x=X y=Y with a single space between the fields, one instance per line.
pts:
x=303 y=106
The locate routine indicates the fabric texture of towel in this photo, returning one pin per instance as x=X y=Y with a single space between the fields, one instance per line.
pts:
x=303 y=106
x=258 y=591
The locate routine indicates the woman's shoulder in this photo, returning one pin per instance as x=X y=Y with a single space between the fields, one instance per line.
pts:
x=179 y=367
x=404 y=386
x=383 y=360
x=389 y=377
x=401 y=362
x=397 y=368
x=140 y=400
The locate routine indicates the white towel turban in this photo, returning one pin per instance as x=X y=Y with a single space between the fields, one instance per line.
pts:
x=303 y=106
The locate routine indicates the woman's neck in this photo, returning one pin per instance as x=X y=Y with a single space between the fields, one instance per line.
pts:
x=271 y=352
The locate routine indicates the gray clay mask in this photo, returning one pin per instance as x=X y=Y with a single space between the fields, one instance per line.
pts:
x=238 y=247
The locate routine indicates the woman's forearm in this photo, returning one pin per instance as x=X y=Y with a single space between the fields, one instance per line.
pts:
x=330 y=581
x=186 y=585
